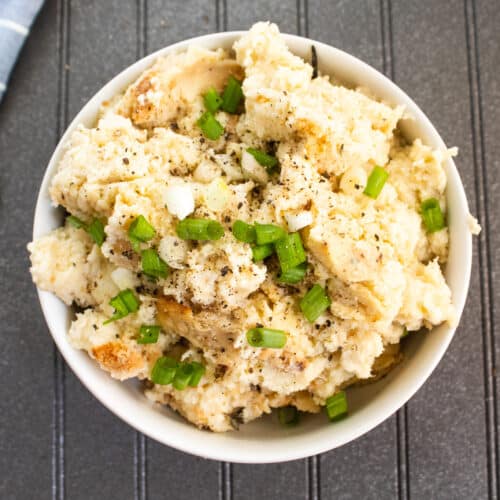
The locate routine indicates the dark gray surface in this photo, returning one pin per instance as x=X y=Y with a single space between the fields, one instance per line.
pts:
x=58 y=441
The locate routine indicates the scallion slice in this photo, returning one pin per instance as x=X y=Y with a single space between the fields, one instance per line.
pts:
x=314 y=303
x=198 y=372
x=152 y=264
x=244 y=232
x=76 y=222
x=124 y=303
x=210 y=126
x=290 y=251
x=268 y=161
x=432 y=215
x=268 y=233
x=148 y=334
x=376 y=181
x=199 y=229
x=266 y=337
x=96 y=231
x=260 y=252
x=183 y=376
x=212 y=100
x=293 y=275
x=232 y=95
x=288 y=416
x=140 y=231
x=336 y=406
x=164 y=370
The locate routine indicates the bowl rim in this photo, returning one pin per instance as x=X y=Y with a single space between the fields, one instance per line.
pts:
x=265 y=454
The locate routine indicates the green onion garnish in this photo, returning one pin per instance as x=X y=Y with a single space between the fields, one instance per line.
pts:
x=405 y=333
x=336 y=406
x=124 y=303
x=244 y=232
x=290 y=251
x=96 y=231
x=211 y=128
x=314 y=303
x=268 y=233
x=432 y=215
x=148 y=334
x=140 y=231
x=268 y=161
x=212 y=100
x=288 y=416
x=76 y=222
x=293 y=275
x=260 y=252
x=376 y=181
x=199 y=229
x=183 y=376
x=198 y=372
x=266 y=337
x=153 y=265
x=232 y=95
x=164 y=370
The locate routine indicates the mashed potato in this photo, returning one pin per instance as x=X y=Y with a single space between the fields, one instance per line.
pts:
x=147 y=156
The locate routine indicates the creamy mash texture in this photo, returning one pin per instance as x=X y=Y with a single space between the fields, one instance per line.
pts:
x=146 y=155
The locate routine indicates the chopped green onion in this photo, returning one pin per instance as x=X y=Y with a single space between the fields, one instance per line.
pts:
x=336 y=406
x=290 y=251
x=212 y=100
x=153 y=265
x=148 y=334
x=268 y=233
x=140 y=231
x=183 y=375
x=293 y=275
x=314 y=303
x=260 y=252
x=76 y=222
x=96 y=231
x=232 y=95
x=268 y=161
x=198 y=372
x=124 y=303
x=288 y=416
x=266 y=337
x=244 y=232
x=211 y=128
x=432 y=215
x=199 y=229
x=376 y=181
x=405 y=333
x=164 y=370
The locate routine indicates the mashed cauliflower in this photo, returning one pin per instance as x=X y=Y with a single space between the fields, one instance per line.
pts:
x=147 y=156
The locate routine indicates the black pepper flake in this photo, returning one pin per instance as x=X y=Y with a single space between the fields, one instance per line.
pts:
x=126 y=161
x=314 y=62
x=227 y=219
x=259 y=325
x=224 y=270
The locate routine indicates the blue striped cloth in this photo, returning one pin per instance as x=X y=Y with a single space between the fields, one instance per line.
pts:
x=16 y=17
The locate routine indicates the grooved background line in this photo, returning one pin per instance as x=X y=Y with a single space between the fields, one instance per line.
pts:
x=58 y=486
x=59 y=442
x=484 y=251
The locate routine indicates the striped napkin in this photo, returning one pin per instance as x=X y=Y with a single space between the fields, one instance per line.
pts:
x=16 y=17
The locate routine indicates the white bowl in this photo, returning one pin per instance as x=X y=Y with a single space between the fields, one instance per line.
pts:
x=264 y=440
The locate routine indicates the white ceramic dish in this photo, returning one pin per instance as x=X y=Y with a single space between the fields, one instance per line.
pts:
x=264 y=440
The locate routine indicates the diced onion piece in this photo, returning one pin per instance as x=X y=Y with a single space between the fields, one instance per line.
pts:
x=124 y=278
x=179 y=201
x=253 y=169
x=298 y=221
